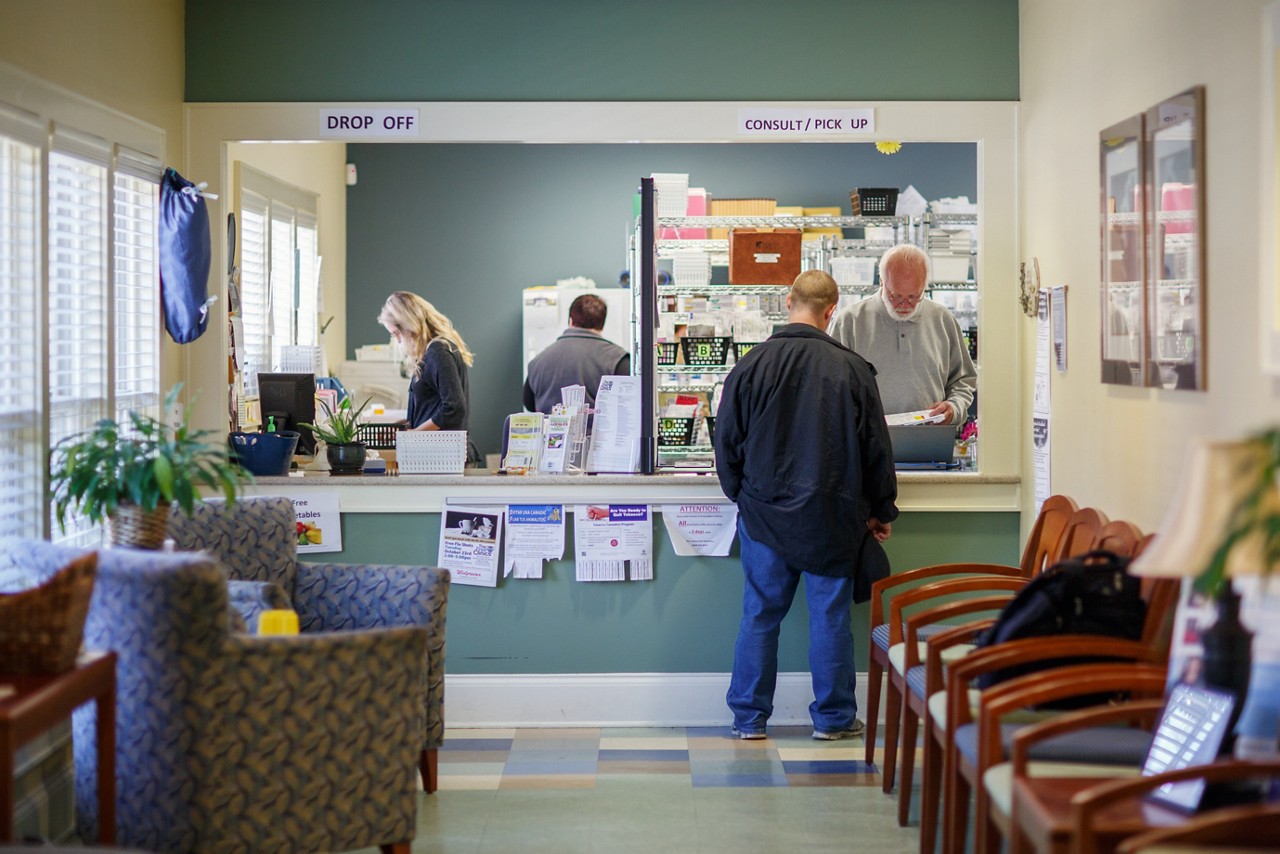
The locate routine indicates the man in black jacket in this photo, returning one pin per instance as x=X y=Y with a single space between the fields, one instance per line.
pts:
x=803 y=449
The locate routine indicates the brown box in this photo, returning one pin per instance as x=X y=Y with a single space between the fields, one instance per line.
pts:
x=764 y=257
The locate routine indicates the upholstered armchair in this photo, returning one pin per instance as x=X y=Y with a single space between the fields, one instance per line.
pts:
x=256 y=541
x=231 y=742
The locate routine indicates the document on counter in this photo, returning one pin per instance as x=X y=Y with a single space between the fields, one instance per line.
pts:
x=469 y=538
x=701 y=529
x=920 y=416
x=615 y=435
x=535 y=533
x=609 y=539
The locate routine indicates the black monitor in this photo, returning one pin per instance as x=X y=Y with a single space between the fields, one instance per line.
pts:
x=291 y=400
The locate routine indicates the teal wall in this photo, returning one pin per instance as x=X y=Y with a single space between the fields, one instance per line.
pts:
x=574 y=50
x=684 y=621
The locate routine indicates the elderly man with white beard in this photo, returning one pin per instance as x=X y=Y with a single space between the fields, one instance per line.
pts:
x=915 y=344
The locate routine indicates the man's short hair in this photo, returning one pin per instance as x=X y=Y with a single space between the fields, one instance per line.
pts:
x=588 y=312
x=905 y=255
x=814 y=289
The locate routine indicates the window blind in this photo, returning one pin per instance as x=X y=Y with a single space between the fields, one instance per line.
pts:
x=136 y=294
x=253 y=242
x=21 y=457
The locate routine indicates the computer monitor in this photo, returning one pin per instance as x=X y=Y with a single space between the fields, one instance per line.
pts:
x=291 y=400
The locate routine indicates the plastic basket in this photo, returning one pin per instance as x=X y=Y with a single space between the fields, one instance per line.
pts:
x=379 y=436
x=711 y=427
x=666 y=352
x=675 y=431
x=874 y=201
x=741 y=348
x=264 y=454
x=705 y=351
x=431 y=452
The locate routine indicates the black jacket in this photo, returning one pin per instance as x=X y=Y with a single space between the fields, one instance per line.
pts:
x=802 y=447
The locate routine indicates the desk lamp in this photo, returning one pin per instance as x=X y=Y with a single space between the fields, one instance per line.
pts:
x=1224 y=522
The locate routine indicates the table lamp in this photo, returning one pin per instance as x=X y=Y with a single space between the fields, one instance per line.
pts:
x=1223 y=523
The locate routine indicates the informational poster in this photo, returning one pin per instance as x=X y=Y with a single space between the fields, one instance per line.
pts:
x=615 y=434
x=469 y=538
x=524 y=441
x=1058 y=296
x=613 y=542
x=535 y=533
x=555 y=444
x=1040 y=435
x=701 y=529
x=318 y=523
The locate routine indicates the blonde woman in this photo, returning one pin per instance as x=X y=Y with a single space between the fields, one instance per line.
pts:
x=438 y=359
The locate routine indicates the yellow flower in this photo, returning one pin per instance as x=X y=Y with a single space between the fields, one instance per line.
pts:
x=888 y=147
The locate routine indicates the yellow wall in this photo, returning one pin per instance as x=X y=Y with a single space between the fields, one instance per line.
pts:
x=1085 y=66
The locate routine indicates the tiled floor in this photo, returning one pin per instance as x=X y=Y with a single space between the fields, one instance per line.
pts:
x=655 y=790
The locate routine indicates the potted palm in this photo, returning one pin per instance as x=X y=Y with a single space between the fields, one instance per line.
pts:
x=340 y=432
x=129 y=475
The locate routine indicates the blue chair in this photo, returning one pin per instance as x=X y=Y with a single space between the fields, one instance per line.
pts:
x=256 y=541
x=230 y=742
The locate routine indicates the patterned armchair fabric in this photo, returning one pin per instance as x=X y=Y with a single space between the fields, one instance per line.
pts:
x=229 y=742
x=256 y=541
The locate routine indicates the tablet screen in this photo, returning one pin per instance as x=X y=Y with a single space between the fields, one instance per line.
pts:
x=1190 y=732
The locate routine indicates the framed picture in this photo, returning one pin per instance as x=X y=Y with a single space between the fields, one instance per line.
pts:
x=1175 y=281
x=1122 y=164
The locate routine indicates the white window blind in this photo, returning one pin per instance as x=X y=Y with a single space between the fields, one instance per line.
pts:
x=136 y=284
x=78 y=305
x=279 y=269
x=21 y=457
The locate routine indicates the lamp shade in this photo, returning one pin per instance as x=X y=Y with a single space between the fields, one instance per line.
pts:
x=1217 y=478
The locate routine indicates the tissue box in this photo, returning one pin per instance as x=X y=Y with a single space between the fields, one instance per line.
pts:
x=764 y=257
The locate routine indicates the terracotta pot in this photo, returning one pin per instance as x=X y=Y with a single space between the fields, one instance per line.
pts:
x=345 y=459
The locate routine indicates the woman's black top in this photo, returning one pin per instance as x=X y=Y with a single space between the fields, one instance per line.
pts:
x=441 y=392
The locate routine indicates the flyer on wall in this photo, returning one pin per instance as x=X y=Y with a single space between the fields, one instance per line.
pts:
x=469 y=538
x=535 y=533
x=318 y=524
x=701 y=529
x=609 y=539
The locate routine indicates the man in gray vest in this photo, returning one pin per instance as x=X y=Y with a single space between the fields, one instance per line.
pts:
x=580 y=356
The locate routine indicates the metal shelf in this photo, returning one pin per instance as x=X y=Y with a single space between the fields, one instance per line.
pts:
x=781 y=221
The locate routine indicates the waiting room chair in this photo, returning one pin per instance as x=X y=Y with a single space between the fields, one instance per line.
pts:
x=230 y=742
x=1242 y=827
x=1040 y=550
x=256 y=541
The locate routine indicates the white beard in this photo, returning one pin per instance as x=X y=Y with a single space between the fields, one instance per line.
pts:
x=893 y=312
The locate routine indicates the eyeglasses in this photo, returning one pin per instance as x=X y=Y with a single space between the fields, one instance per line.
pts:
x=902 y=300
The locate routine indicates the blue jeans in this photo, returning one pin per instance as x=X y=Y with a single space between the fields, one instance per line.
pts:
x=766 y=598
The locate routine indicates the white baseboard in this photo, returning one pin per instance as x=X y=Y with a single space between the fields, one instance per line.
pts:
x=613 y=699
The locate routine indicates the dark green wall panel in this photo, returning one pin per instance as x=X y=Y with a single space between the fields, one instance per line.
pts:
x=522 y=50
x=684 y=621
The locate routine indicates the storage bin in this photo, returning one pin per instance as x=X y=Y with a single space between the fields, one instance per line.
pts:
x=666 y=352
x=741 y=348
x=431 y=452
x=379 y=436
x=764 y=257
x=264 y=454
x=675 y=431
x=874 y=201
x=707 y=352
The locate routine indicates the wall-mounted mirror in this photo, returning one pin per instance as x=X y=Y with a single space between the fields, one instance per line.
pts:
x=1123 y=256
x=1175 y=283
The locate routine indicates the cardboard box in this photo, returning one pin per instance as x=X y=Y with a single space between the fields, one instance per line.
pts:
x=764 y=257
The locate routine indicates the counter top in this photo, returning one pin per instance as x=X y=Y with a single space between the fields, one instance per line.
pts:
x=427 y=493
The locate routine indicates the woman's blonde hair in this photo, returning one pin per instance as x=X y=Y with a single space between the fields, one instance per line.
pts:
x=419 y=323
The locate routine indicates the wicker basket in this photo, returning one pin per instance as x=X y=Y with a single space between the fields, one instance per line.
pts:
x=136 y=528
x=41 y=628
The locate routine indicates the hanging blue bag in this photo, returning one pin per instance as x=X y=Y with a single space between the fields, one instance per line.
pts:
x=185 y=256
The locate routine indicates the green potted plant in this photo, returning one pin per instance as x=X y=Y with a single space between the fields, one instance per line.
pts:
x=128 y=476
x=340 y=432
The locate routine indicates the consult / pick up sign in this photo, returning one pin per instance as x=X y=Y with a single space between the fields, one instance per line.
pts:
x=364 y=123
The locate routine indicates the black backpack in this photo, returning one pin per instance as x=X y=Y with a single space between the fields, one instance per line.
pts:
x=1092 y=594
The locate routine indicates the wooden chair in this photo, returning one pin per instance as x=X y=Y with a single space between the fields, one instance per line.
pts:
x=1120 y=537
x=1040 y=550
x=906 y=652
x=1230 y=827
x=974 y=743
x=1089 y=837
